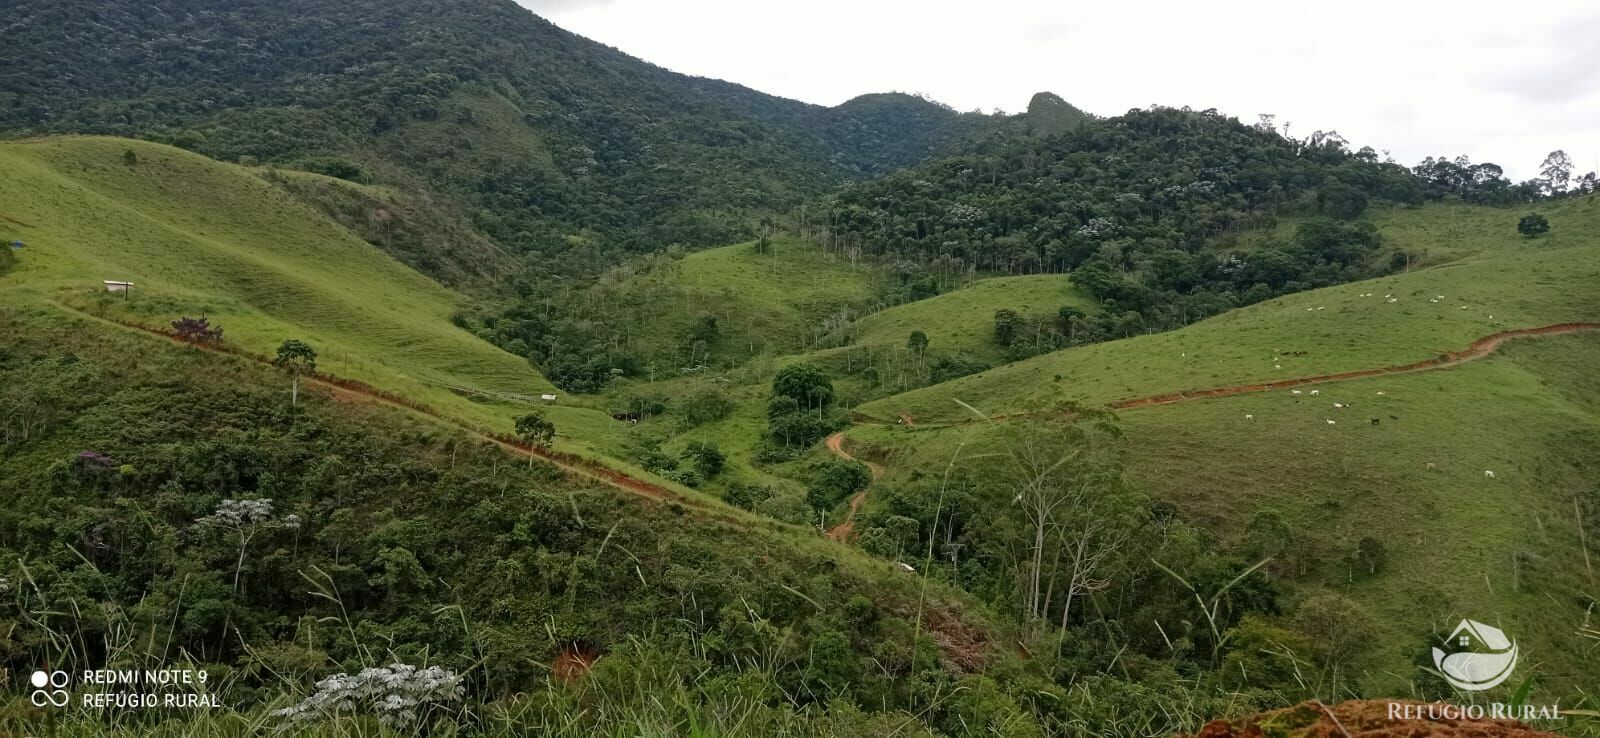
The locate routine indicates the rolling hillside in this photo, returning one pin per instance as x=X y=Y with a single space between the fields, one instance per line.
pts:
x=1466 y=488
x=1498 y=281
x=200 y=237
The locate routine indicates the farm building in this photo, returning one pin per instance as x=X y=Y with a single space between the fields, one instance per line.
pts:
x=114 y=285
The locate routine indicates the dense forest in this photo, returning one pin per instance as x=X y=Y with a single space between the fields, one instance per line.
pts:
x=556 y=142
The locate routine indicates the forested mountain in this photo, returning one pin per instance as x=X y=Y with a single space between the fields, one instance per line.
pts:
x=1134 y=206
x=554 y=139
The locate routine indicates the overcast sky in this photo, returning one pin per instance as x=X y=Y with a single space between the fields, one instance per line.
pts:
x=1506 y=83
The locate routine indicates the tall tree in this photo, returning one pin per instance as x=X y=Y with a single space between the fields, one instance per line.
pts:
x=536 y=430
x=1556 y=172
x=295 y=358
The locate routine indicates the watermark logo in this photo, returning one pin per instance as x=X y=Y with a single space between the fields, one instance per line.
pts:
x=49 y=689
x=1481 y=657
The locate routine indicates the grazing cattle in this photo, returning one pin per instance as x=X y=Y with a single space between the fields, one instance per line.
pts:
x=1332 y=422
x=1338 y=406
x=1277 y=366
x=1373 y=421
x=1394 y=417
x=906 y=567
x=1294 y=392
x=1314 y=393
x=1380 y=393
x=1488 y=474
x=1249 y=417
x=1432 y=467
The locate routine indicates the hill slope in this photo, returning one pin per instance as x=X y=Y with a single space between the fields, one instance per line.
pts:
x=1501 y=280
x=203 y=238
x=549 y=133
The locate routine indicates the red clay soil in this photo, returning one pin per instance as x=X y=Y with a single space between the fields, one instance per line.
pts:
x=844 y=530
x=1479 y=349
x=1361 y=719
x=573 y=663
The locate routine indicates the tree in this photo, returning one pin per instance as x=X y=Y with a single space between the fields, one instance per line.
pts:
x=1079 y=514
x=536 y=430
x=917 y=343
x=807 y=384
x=1533 y=224
x=705 y=457
x=1339 y=630
x=296 y=358
x=704 y=405
x=834 y=481
x=197 y=330
x=245 y=519
x=1006 y=321
x=1556 y=172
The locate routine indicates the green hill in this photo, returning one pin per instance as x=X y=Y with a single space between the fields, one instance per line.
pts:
x=547 y=134
x=200 y=237
x=1497 y=281
x=1391 y=504
x=962 y=320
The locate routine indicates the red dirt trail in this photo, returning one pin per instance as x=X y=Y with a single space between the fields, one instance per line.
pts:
x=1361 y=719
x=844 y=530
x=570 y=463
x=1478 y=350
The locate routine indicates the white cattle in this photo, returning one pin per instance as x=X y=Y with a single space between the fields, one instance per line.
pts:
x=1488 y=474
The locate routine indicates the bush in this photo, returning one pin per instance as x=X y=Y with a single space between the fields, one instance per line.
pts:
x=704 y=406
x=706 y=458
x=1533 y=224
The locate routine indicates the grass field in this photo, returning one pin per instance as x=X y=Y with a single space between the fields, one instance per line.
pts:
x=765 y=304
x=199 y=237
x=1498 y=281
x=1458 y=543
x=962 y=321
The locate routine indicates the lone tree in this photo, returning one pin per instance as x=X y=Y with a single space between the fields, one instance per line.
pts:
x=536 y=430
x=296 y=358
x=1533 y=224
x=917 y=343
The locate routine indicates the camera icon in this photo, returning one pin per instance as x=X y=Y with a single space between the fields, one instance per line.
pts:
x=49 y=689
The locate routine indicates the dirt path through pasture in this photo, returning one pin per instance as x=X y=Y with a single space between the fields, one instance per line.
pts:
x=1477 y=350
x=845 y=529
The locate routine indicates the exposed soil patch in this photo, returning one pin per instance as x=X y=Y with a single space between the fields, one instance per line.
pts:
x=846 y=529
x=1361 y=719
x=573 y=663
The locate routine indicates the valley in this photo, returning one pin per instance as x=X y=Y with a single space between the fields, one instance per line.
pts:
x=424 y=368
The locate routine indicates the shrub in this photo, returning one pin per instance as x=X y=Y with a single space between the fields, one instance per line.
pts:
x=1533 y=224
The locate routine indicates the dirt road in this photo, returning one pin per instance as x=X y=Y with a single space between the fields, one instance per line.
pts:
x=845 y=529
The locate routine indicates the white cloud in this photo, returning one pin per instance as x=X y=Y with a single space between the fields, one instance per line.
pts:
x=1502 y=83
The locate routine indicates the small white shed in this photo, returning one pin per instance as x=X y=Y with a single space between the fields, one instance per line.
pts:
x=114 y=285
x=547 y=398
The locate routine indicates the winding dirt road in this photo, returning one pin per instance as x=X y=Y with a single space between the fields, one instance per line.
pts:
x=1477 y=350
x=845 y=529
x=596 y=471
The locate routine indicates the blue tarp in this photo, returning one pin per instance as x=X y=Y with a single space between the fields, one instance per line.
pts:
x=17 y=244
